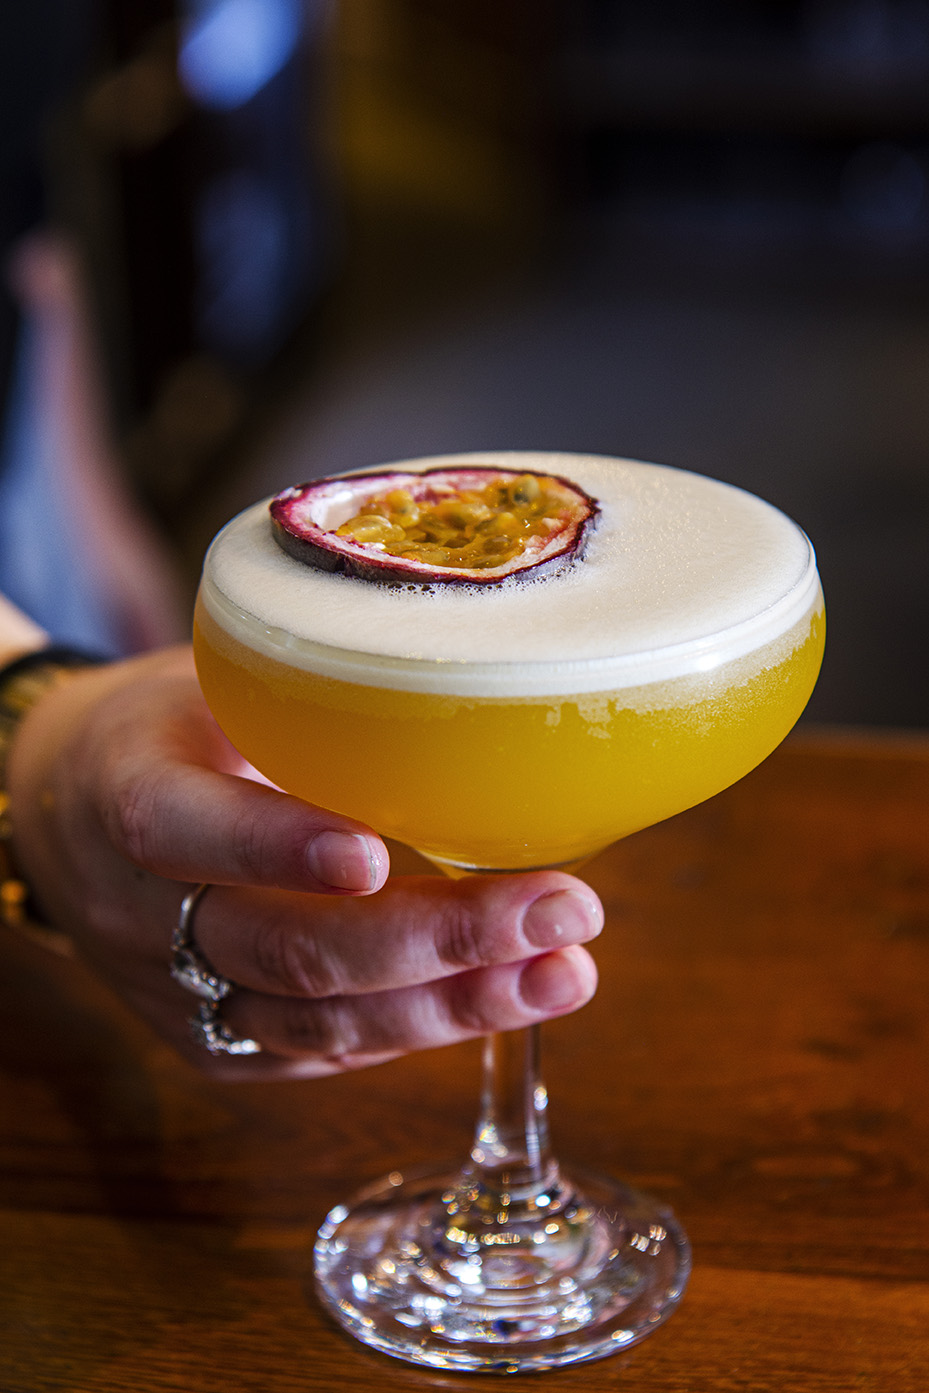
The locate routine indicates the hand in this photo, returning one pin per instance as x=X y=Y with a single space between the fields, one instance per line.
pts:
x=125 y=793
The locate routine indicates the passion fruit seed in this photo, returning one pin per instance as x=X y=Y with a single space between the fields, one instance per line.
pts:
x=373 y=527
x=473 y=524
x=453 y=531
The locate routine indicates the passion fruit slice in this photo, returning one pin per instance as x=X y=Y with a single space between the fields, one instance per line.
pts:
x=474 y=525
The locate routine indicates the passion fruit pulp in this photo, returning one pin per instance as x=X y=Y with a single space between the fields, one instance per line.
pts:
x=474 y=525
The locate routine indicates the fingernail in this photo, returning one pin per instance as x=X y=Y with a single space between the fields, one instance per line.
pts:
x=342 y=860
x=561 y=918
x=557 y=982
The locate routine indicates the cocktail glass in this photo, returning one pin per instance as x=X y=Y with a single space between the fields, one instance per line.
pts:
x=492 y=764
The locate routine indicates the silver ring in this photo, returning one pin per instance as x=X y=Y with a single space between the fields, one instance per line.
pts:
x=188 y=965
x=212 y=1032
x=192 y=971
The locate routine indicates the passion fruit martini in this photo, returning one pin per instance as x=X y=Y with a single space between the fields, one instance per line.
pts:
x=622 y=642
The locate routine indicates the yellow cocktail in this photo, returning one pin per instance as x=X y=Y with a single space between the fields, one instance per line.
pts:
x=510 y=783
x=507 y=728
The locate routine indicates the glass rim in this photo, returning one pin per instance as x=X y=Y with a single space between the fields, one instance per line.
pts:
x=525 y=677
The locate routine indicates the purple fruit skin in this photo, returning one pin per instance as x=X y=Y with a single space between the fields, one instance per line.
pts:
x=314 y=547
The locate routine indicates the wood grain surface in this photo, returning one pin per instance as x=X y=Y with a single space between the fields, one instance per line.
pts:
x=757 y=1055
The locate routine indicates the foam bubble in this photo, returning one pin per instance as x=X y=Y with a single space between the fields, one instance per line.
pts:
x=682 y=574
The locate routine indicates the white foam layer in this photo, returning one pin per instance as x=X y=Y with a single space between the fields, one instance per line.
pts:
x=682 y=574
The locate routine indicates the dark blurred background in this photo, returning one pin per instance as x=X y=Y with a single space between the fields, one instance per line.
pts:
x=325 y=236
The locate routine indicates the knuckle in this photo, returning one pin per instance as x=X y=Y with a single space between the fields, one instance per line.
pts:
x=321 y=1029
x=129 y=822
x=270 y=849
x=293 y=963
x=467 y=1008
x=461 y=942
x=254 y=849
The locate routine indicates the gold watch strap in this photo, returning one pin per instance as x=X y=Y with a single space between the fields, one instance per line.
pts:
x=23 y=683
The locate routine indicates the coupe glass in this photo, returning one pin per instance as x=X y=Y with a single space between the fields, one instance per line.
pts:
x=673 y=671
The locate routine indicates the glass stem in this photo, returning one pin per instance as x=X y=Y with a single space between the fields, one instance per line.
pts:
x=511 y=1214
x=510 y=1158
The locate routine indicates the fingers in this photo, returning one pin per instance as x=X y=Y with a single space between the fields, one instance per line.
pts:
x=344 y=1033
x=417 y=930
x=170 y=804
x=327 y=984
x=125 y=792
x=191 y=824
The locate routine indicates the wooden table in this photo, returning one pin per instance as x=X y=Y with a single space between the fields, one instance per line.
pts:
x=758 y=1055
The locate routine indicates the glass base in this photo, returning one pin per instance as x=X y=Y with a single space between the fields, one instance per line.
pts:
x=609 y=1266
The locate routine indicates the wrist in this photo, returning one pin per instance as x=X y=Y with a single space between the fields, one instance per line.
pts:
x=24 y=681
